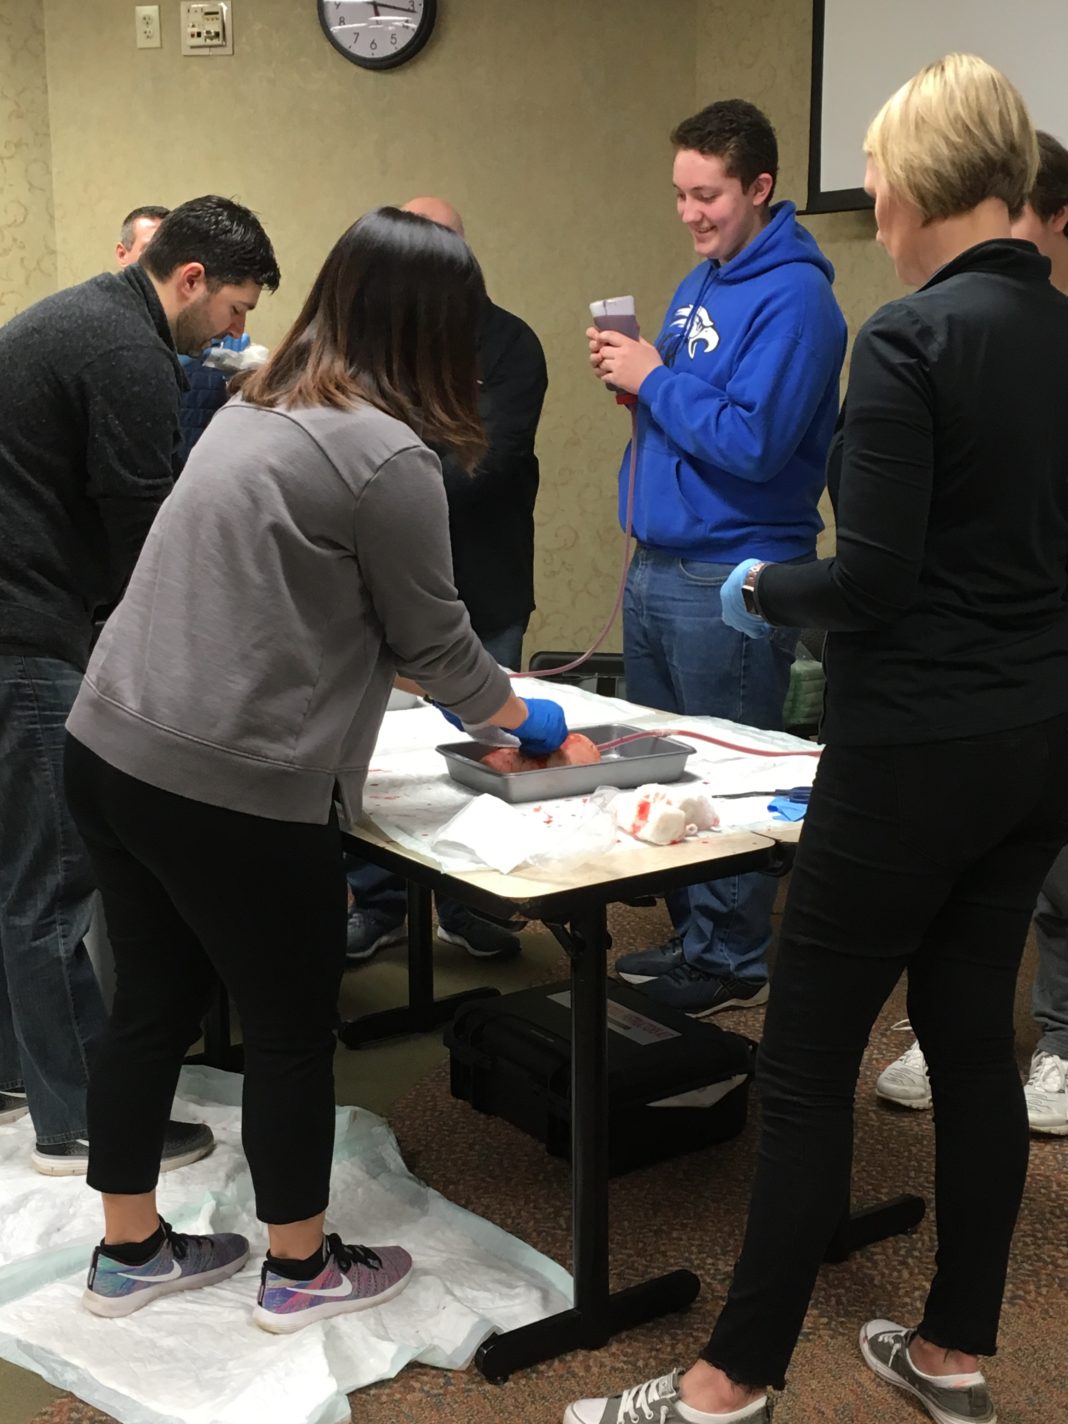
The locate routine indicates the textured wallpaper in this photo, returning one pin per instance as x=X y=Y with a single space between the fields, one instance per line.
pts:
x=27 y=230
x=763 y=52
x=546 y=123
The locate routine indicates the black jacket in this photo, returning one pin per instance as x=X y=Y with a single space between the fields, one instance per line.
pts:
x=89 y=387
x=491 y=513
x=949 y=479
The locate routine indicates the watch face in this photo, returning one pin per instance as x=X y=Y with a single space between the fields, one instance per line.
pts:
x=375 y=34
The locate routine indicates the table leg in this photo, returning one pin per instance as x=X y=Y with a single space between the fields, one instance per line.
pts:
x=596 y=1314
x=422 y=1012
x=219 y=1051
x=858 y=1229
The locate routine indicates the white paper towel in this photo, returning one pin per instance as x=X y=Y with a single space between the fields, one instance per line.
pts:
x=196 y=1357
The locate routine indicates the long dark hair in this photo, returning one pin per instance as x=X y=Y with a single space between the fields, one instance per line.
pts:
x=392 y=319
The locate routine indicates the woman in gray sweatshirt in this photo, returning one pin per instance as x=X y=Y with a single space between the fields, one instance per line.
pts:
x=234 y=696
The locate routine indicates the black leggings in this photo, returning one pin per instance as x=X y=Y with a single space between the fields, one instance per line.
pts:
x=926 y=859
x=193 y=893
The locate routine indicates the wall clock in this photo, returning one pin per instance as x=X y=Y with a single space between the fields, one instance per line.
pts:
x=375 y=34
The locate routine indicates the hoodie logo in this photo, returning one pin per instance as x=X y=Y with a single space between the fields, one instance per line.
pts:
x=702 y=329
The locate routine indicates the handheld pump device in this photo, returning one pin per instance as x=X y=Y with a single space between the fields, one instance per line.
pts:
x=617 y=314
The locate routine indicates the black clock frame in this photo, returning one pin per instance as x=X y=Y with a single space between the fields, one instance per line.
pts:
x=394 y=61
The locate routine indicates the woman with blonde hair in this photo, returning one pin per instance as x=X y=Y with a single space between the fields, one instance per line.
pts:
x=942 y=794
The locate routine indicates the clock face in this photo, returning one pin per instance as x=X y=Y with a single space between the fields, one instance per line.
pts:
x=375 y=34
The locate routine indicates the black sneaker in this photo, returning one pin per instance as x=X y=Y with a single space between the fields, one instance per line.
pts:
x=12 y=1106
x=701 y=994
x=959 y=1399
x=185 y=1142
x=368 y=932
x=478 y=936
x=645 y=964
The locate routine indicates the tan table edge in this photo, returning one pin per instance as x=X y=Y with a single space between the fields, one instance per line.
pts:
x=622 y=865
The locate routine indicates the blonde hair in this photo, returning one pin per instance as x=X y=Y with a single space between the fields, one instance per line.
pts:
x=956 y=134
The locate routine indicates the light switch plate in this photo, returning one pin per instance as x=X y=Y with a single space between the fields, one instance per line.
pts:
x=146 y=26
x=202 y=23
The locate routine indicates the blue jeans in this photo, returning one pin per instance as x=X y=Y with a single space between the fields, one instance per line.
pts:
x=51 y=1011
x=679 y=656
x=386 y=894
x=1050 y=995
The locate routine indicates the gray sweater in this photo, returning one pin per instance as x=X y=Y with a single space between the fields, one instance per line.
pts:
x=302 y=559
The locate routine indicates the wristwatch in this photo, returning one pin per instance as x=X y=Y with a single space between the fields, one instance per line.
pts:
x=749 y=591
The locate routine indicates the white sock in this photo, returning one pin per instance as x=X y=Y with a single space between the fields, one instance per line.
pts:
x=736 y=1416
x=948 y=1381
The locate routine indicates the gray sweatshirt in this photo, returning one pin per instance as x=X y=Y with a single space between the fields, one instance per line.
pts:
x=302 y=559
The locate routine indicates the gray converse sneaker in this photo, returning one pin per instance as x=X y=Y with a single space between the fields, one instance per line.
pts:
x=885 y=1347
x=654 y=1402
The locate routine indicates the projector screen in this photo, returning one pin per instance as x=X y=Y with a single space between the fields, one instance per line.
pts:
x=862 y=50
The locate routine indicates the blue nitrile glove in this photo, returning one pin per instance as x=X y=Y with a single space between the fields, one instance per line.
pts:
x=544 y=729
x=788 y=810
x=733 y=609
x=449 y=716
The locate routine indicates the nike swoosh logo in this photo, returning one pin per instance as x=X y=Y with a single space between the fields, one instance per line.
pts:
x=171 y=1275
x=345 y=1288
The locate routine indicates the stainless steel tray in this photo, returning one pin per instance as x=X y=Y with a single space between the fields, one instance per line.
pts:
x=654 y=759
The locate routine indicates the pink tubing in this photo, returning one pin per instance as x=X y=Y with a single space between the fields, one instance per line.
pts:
x=701 y=737
x=603 y=634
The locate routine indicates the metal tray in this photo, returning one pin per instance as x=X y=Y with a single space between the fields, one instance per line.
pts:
x=654 y=759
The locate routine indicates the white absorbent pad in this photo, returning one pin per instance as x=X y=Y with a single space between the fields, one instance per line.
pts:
x=196 y=1356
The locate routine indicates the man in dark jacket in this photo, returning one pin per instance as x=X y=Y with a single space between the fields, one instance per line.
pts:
x=491 y=523
x=88 y=434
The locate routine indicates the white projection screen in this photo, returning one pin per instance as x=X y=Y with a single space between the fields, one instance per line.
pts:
x=863 y=50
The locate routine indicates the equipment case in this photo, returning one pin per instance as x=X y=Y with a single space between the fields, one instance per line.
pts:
x=675 y=1084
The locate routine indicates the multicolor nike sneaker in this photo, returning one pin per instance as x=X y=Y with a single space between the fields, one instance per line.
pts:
x=352 y=1278
x=181 y=1263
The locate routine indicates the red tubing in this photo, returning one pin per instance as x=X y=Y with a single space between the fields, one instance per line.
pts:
x=700 y=737
x=603 y=634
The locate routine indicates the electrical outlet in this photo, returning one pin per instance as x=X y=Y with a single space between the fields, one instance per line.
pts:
x=207 y=29
x=146 y=26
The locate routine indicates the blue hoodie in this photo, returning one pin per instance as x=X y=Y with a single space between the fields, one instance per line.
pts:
x=733 y=429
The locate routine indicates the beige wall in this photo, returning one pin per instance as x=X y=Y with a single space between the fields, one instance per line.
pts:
x=545 y=121
x=27 y=232
x=520 y=112
x=762 y=52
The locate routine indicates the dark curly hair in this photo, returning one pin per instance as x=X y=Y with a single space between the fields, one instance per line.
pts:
x=737 y=133
x=226 y=238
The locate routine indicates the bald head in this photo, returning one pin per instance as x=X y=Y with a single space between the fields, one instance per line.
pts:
x=437 y=210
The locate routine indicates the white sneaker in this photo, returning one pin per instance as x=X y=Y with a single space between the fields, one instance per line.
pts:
x=905 y=1081
x=1046 y=1093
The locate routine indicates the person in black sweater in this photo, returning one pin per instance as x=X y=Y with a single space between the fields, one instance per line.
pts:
x=905 y=1081
x=89 y=389
x=491 y=529
x=942 y=794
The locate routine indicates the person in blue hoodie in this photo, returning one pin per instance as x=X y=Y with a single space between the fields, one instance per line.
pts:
x=736 y=405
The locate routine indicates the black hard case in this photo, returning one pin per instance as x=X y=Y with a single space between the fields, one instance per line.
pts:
x=510 y=1057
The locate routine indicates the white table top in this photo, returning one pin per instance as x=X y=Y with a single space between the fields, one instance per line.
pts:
x=409 y=796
